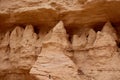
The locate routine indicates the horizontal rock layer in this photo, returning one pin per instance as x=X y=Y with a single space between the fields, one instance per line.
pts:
x=46 y=13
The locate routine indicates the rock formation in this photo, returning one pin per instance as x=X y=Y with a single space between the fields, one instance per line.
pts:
x=52 y=63
x=101 y=57
x=59 y=40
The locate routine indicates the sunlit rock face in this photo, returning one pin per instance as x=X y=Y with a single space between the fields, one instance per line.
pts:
x=18 y=53
x=99 y=58
x=59 y=40
x=52 y=63
x=86 y=54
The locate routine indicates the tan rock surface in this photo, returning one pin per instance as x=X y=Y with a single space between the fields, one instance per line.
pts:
x=18 y=53
x=52 y=63
x=48 y=12
x=102 y=58
x=59 y=40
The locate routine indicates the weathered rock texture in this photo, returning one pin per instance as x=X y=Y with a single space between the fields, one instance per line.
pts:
x=59 y=40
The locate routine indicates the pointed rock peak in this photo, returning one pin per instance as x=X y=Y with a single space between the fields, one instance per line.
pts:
x=91 y=31
x=108 y=28
x=29 y=28
x=28 y=32
x=16 y=36
x=18 y=28
x=57 y=36
x=104 y=39
x=59 y=28
x=17 y=31
x=29 y=36
x=91 y=37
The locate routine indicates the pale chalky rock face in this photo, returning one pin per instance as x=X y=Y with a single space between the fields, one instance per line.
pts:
x=59 y=40
x=18 y=53
x=58 y=36
x=108 y=28
x=52 y=63
x=22 y=43
x=101 y=60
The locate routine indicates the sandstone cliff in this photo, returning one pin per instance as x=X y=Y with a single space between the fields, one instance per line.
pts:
x=59 y=40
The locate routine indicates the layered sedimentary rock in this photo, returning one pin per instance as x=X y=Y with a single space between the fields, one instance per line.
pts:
x=85 y=55
x=47 y=13
x=52 y=63
x=99 y=60
x=18 y=53
x=59 y=40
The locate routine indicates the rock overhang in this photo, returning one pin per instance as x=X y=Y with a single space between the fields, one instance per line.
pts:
x=89 y=15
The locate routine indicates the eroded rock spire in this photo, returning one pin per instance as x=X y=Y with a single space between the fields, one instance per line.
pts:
x=91 y=38
x=52 y=60
x=16 y=37
x=59 y=28
x=108 y=28
x=58 y=36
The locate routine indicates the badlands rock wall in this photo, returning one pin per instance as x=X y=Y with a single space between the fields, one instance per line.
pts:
x=59 y=40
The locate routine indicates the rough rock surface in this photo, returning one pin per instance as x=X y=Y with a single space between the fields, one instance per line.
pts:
x=52 y=63
x=59 y=40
